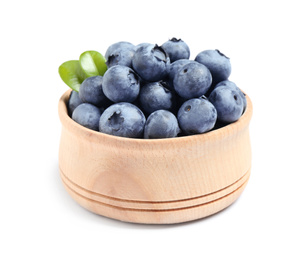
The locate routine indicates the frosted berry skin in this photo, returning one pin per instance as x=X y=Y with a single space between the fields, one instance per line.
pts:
x=197 y=116
x=115 y=47
x=174 y=68
x=87 y=115
x=121 y=57
x=176 y=49
x=151 y=62
x=232 y=85
x=121 y=84
x=192 y=80
x=155 y=96
x=161 y=124
x=228 y=103
x=218 y=64
x=122 y=119
x=73 y=101
x=90 y=91
x=143 y=44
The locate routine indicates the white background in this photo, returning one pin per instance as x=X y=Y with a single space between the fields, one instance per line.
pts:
x=39 y=220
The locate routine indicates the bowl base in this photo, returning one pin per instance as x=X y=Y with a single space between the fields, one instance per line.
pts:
x=156 y=212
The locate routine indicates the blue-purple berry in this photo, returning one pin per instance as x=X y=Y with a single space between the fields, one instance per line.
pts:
x=91 y=91
x=121 y=84
x=176 y=49
x=155 y=96
x=192 y=80
x=151 y=62
x=161 y=124
x=228 y=103
x=218 y=64
x=73 y=101
x=87 y=115
x=197 y=116
x=122 y=119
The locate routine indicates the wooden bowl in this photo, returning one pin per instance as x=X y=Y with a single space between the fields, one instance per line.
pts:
x=159 y=181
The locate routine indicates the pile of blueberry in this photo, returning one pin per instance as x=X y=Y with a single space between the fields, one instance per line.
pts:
x=150 y=91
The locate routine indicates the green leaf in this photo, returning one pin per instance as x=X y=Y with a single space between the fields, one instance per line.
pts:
x=92 y=63
x=72 y=74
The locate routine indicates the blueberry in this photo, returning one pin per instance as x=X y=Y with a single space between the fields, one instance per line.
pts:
x=197 y=115
x=192 y=80
x=118 y=46
x=121 y=55
x=150 y=62
x=174 y=68
x=228 y=103
x=87 y=115
x=90 y=91
x=122 y=119
x=231 y=84
x=218 y=64
x=154 y=96
x=161 y=124
x=143 y=44
x=121 y=84
x=73 y=101
x=176 y=49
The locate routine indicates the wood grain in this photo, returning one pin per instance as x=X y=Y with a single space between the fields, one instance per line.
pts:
x=154 y=181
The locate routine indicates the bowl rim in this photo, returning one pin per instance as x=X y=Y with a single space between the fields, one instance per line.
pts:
x=227 y=130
